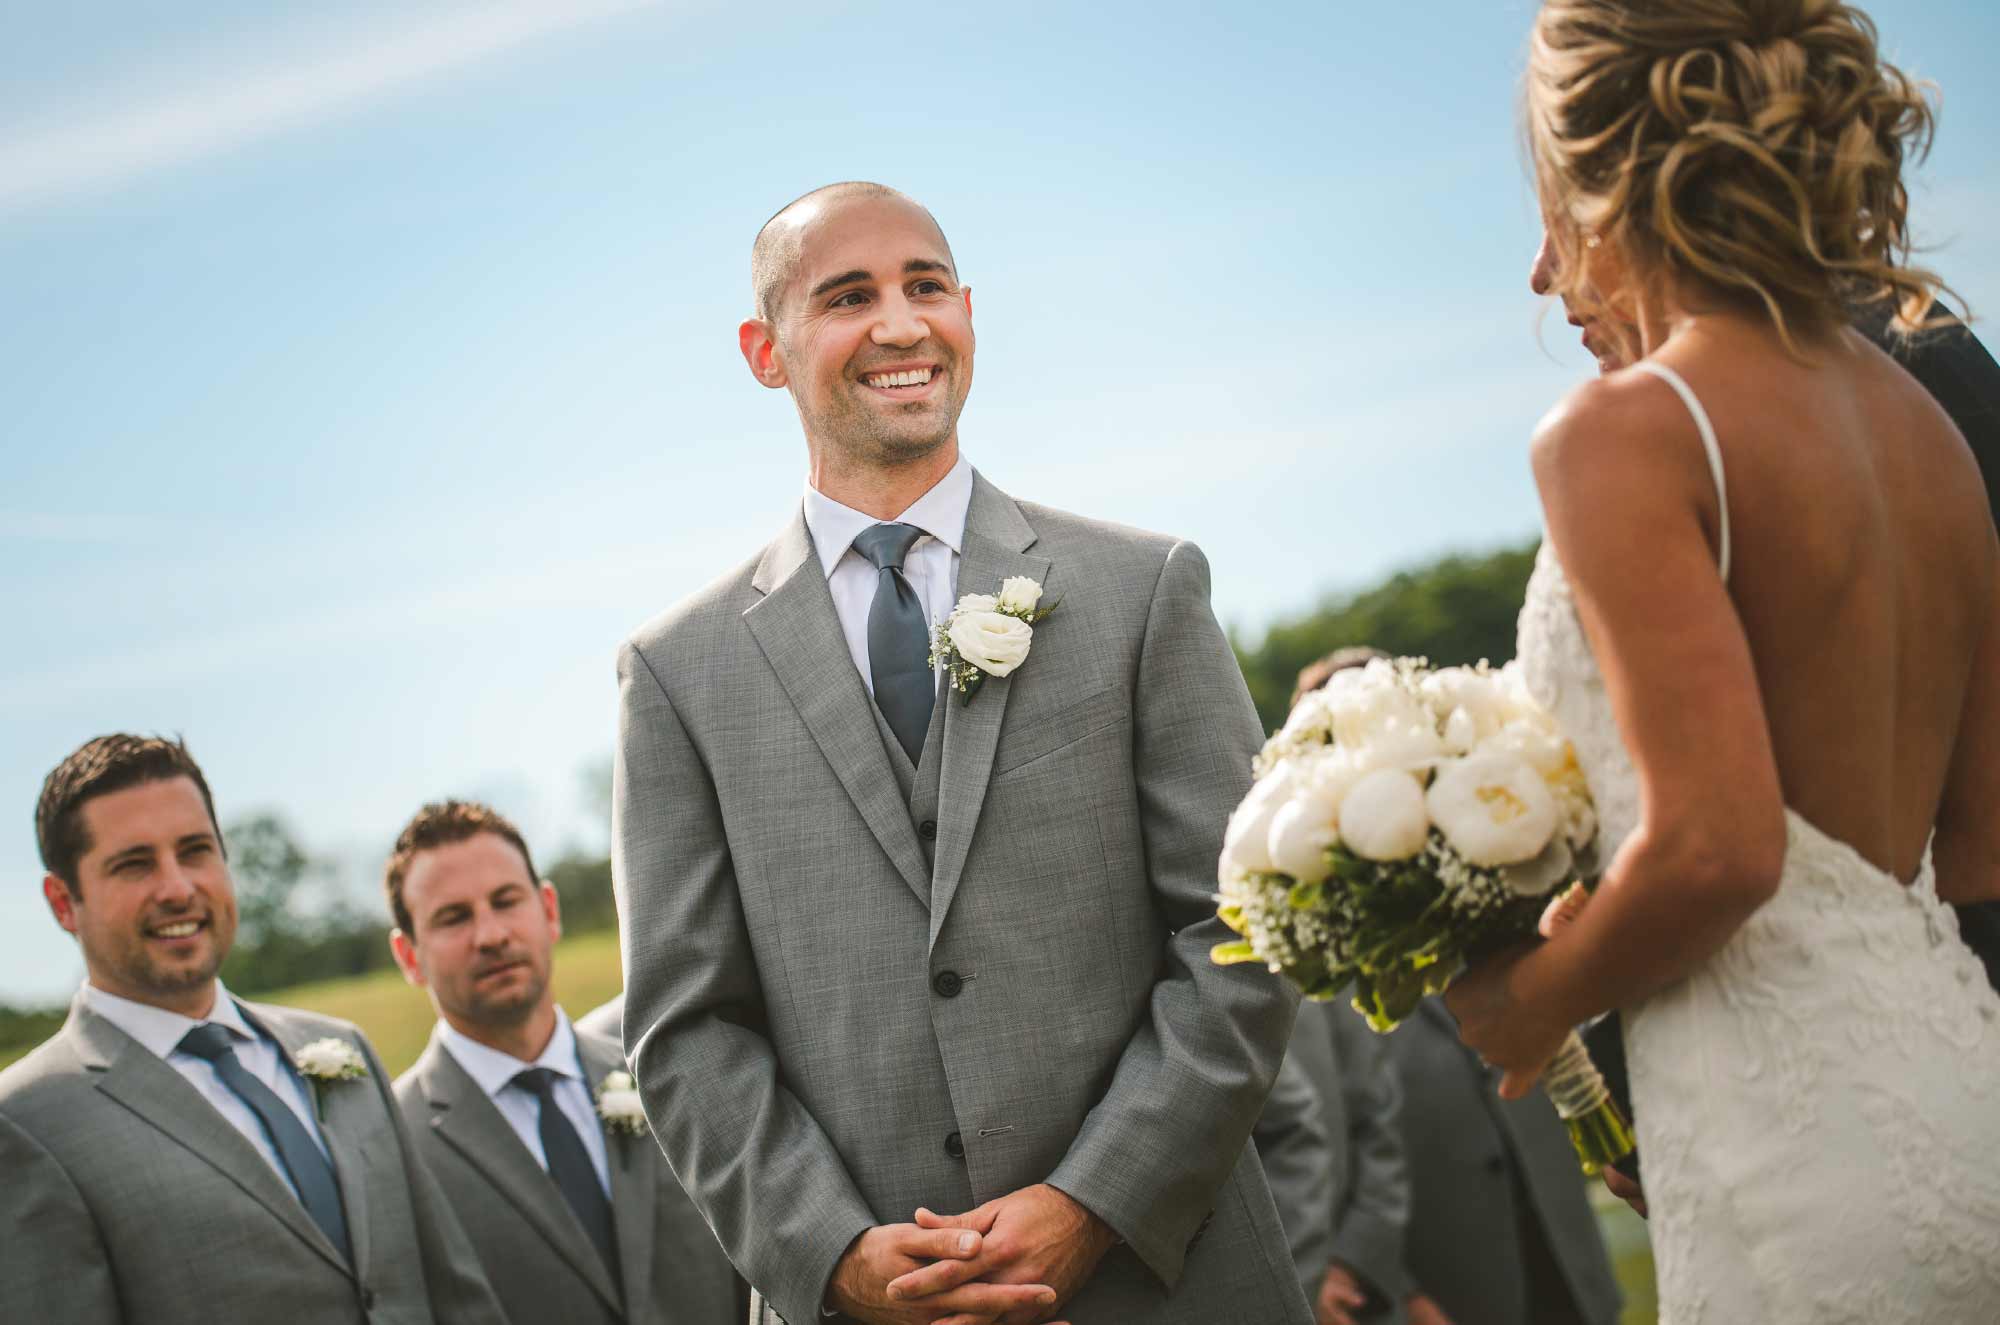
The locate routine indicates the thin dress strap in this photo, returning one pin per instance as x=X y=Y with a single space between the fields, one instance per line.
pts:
x=1686 y=393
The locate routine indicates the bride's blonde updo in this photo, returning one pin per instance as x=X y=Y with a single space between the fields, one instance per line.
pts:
x=1746 y=151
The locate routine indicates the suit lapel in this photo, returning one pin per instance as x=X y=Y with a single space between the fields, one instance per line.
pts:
x=997 y=538
x=344 y=1117
x=143 y=1083
x=799 y=632
x=634 y=1183
x=468 y=1121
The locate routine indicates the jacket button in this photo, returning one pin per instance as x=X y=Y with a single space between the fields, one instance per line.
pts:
x=1495 y=1164
x=367 y=1298
x=954 y=1145
x=927 y=830
x=947 y=983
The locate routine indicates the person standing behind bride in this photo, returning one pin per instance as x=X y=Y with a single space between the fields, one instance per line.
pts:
x=1767 y=613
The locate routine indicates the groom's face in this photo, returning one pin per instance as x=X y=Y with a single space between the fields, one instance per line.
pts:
x=873 y=334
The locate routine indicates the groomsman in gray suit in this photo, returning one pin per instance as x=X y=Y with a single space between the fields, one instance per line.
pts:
x=917 y=983
x=174 y=1155
x=575 y=1215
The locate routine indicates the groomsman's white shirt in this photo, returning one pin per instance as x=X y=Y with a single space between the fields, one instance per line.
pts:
x=160 y=1030
x=495 y=1071
x=931 y=566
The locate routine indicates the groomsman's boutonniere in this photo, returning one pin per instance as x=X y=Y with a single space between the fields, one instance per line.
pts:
x=331 y=1059
x=618 y=1104
x=988 y=635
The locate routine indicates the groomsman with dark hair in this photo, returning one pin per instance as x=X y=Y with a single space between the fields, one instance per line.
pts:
x=174 y=1155
x=568 y=1202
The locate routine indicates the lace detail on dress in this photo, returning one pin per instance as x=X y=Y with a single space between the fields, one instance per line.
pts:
x=1818 y=1107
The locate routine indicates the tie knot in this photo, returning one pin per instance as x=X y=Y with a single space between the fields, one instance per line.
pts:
x=537 y=1081
x=209 y=1041
x=887 y=544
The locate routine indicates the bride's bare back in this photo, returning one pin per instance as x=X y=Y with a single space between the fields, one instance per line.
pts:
x=1864 y=573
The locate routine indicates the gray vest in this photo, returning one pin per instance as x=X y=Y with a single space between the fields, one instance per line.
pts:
x=919 y=782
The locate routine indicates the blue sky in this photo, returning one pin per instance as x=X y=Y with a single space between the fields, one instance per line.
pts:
x=371 y=369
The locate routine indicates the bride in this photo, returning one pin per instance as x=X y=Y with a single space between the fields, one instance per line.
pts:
x=1767 y=612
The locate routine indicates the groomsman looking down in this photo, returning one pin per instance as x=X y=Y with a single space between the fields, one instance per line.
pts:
x=918 y=988
x=568 y=1203
x=177 y=1156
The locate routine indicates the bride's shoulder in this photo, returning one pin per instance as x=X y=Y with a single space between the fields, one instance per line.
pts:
x=1621 y=434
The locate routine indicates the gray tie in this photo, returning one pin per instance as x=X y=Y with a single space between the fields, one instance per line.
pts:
x=310 y=1172
x=899 y=645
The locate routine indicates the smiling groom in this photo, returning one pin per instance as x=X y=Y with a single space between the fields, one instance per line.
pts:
x=918 y=988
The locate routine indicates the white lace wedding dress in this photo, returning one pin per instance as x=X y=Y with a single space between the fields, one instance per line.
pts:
x=1818 y=1106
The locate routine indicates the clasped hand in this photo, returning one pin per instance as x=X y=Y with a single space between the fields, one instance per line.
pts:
x=1508 y=1028
x=1012 y=1261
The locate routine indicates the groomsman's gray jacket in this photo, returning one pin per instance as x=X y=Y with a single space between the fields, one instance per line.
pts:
x=1490 y=1178
x=1350 y=1201
x=128 y=1198
x=535 y=1253
x=855 y=986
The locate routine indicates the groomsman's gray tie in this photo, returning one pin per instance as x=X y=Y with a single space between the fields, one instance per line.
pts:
x=311 y=1173
x=570 y=1165
x=899 y=644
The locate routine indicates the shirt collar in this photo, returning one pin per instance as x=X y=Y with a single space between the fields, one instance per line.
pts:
x=940 y=512
x=157 y=1029
x=494 y=1069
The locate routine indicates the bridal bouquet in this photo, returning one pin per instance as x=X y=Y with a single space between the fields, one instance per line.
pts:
x=1404 y=820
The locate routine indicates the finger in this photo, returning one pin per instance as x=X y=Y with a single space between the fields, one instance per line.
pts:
x=979 y=1220
x=937 y=1277
x=1518 y=1081
x=1562 y=912
x=983 y=1299
x=937 y=1244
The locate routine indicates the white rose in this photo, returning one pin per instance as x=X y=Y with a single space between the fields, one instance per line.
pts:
x=1493 y=809
x=1302 y=831
x=978 y=602
x=330 y=1057
x=621 y=1104
x=1018 y=593
x=1383 y=816
x=1246 y=841
x=994 y=643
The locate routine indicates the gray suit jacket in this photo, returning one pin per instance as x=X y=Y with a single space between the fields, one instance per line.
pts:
x=129 y=1198
x=1354 y=1204
x=839 y=1012
x=1501 y=1229
x=536 y=1255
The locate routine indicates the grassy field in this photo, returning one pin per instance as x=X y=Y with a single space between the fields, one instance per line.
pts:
x=397 y=1019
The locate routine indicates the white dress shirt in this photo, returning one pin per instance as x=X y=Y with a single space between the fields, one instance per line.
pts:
x=160 y=1031
x=495 y=1071
x=931 y=566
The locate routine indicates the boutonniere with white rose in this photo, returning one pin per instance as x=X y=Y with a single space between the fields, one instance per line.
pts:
x=618 y=1104
x=989 y=634
x=331 y=1059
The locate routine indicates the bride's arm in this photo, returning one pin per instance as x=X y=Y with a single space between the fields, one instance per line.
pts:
x=1630 y=506
x=1966 y=851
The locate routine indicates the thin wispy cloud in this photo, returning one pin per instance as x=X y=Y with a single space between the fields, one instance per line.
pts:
x=51 y=162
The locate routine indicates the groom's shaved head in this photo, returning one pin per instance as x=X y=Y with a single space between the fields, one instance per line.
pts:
x=774 y=258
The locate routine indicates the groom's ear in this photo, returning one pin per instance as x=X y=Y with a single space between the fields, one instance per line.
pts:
x=760 y=350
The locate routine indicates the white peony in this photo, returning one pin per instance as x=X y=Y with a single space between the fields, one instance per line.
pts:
x=1383 y=816
x=1493 y=809
x=991 y=641
x=1018 y=593
x=1461 y=732
x=1302 y=831
x=1246 y=841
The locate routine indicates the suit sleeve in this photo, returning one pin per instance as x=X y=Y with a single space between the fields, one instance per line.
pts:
x=1297 y=1153
x=458 y=1291
x=54 y=1266
x=1152 y=1155
x=750 y=1155
x=1368 y=1229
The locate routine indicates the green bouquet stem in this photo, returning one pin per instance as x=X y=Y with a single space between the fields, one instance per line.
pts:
x=1596 y=1128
